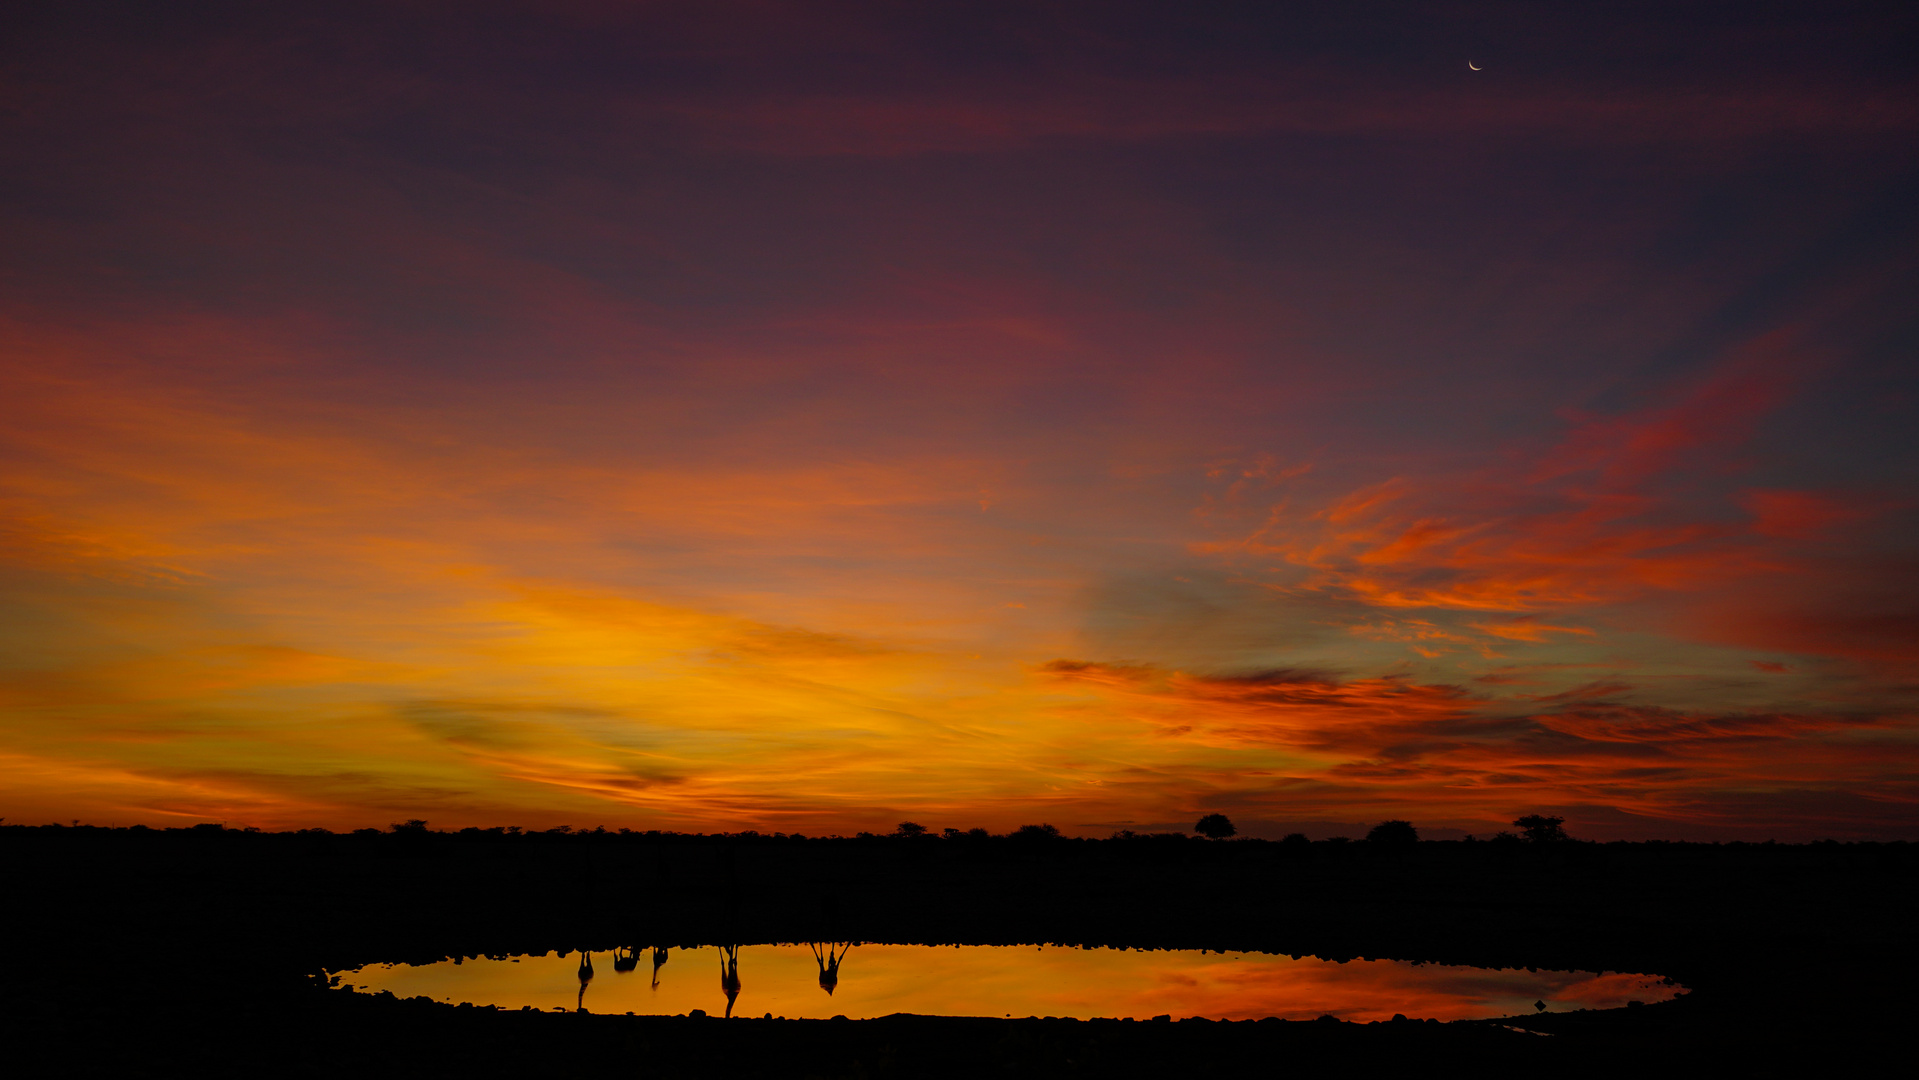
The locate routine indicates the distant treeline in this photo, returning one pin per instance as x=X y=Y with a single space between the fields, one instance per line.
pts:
x=417 y=832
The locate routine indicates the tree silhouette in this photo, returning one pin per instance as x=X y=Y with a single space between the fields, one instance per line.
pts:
x=1541 y=829
x=1216 y=826
x=910 y=829
x=1393 y=833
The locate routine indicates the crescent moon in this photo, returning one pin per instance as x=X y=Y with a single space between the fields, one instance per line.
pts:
x=1473 y=66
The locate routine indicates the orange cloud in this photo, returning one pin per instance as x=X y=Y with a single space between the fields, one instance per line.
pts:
x=1527 y=630
x=286 y=615
x=1622 y=511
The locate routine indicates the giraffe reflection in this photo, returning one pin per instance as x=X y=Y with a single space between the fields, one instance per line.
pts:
x=730 y=975
x=829 y=962
x=625 y=960
x=586 y=976
x=659 y=961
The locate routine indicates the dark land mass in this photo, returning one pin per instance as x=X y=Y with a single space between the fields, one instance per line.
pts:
x=147 y=952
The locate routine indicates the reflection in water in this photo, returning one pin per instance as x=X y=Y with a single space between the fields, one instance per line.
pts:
x=625 y=960
x=1024 y=981
x=730 y=976
x=829 y=963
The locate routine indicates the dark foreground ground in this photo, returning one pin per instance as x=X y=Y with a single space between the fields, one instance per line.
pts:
x=134 y=952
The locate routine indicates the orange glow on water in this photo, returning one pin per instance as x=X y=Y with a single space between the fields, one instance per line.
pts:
x=878 y=980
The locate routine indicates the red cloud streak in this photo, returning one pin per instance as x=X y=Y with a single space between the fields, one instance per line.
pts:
x=1381 y=742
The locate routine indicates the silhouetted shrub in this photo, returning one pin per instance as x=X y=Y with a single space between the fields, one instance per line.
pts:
x=1393 y=833
x=1215 y=826
x=909 y=829
x=1541 y=829
x=1036 y=832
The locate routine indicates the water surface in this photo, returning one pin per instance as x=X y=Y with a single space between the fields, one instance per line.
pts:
x=867 y=980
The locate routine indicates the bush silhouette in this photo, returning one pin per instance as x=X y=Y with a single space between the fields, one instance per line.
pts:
x=1393 y=832
x=1036 y=832
x=1216 y=826
x=910 y=829
x=1541 y=829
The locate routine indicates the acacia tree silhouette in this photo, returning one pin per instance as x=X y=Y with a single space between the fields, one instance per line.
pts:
x=1393 y=832
x=1541 y=829
x=1215 y=826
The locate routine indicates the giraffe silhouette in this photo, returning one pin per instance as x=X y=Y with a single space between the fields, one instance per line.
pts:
x=586 y=976
x=829 y=963
x=730 y=975
x=625 y=960
x=659 y=961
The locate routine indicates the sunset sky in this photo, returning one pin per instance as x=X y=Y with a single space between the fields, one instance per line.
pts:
x=808 y=417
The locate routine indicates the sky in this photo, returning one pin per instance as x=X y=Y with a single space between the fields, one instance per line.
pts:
x=809 y=417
